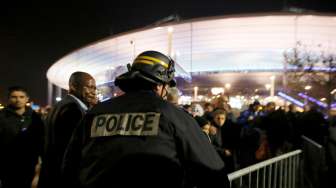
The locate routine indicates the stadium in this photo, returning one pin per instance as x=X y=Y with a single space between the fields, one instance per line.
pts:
x=242 y=54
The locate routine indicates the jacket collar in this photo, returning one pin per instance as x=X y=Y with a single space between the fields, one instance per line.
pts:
x=81 y=104
x=28 y=111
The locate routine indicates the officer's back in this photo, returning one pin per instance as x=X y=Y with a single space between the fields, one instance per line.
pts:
x=135 y=158
x=141 y=140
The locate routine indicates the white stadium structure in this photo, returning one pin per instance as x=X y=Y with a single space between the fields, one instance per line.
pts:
x=208 y=51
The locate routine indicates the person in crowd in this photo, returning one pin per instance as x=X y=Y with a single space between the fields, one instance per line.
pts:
x=270 y=107
x=276 y=126
x=247 y=117
x=222 y=102
x=314 y=125
x=188 y=109
x=173 y=95
x=250 y=137
x=141 y=140
x=267 y=109
x=197 y=109
x=295 y=133
x=208 y=109
x=205 y=126
x=60 y=123
x=224 y=138
x=21 y=140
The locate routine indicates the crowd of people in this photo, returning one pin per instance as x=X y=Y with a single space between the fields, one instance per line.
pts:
x=83 y=143
x=259 y=132
x=29 y=139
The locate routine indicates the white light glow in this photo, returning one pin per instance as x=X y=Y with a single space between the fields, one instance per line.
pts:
x=235 y=102
x=333 y=91
x=100 y=96
x=217 y=90
x=308 y=87
x=170 y=29
x=184 y=100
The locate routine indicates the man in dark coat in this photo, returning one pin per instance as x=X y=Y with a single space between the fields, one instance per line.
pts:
x=61 y=122
x=21 y=140
x=225 y=138
x=141 y=140
x=314 y=125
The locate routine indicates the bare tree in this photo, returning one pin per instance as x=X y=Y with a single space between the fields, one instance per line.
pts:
x=314 y=65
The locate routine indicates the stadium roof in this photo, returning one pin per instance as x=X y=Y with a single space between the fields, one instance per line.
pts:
x=217 y=44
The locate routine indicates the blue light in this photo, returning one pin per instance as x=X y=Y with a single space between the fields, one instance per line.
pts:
x=35 y=106
x=311 y=99
x=291 y=99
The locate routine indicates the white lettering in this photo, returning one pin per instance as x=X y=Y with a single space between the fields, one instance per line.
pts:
x=127 y=124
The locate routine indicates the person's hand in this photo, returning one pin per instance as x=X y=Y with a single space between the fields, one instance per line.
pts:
x=213 y=130
x=227 y=152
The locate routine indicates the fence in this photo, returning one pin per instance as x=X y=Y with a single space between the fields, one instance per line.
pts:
x=282 y=171
x=314 y=163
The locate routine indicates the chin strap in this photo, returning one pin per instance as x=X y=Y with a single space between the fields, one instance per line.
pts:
x=164 y=88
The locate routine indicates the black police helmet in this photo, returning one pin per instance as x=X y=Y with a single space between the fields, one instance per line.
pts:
x=151 y=66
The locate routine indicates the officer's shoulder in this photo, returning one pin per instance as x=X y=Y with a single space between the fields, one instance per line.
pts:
x=176 y=114
x=168 y=106
x=102 y=106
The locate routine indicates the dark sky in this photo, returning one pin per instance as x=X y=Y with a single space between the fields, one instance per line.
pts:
x=35 y=34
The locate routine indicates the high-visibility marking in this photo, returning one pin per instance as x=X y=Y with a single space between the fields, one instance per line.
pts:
x=127 y=124
x=156 y=60
x=144 y=61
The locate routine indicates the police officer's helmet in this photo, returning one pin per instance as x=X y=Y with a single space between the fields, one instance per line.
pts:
x=151 y=66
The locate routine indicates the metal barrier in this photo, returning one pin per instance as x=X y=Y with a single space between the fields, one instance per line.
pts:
x=282 y=171
x=314 y=163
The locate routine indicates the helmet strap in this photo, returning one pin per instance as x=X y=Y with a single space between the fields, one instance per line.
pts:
x=164 y=88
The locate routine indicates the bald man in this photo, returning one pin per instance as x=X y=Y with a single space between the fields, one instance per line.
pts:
x=60 y=123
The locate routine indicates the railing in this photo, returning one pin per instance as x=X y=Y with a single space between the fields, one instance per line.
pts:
x=281 y=171
x=314 y=163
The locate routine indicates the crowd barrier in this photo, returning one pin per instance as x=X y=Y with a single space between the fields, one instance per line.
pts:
x=314 y=163
x=282 y=171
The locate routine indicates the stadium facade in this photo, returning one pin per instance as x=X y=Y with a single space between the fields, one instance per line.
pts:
x=208 y=51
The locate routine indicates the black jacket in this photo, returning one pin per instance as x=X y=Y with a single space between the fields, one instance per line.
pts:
x=155 y=145
x=21 y=142
x=60 y=124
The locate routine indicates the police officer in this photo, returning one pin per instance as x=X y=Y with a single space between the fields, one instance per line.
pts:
x=139 y=139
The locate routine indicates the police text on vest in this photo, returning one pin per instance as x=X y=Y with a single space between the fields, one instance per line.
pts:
x=126 y=124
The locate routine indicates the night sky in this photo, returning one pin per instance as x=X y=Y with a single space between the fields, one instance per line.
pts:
x=35 y=34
